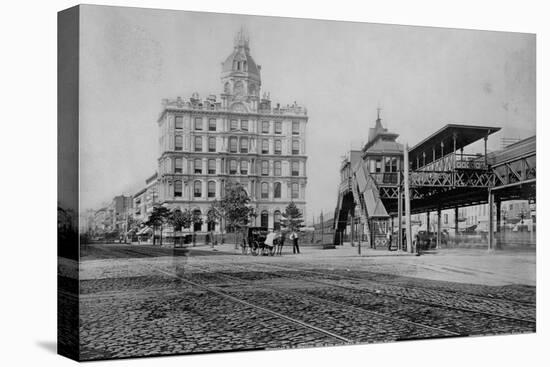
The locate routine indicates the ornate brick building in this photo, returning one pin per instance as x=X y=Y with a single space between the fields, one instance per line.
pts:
x=235 y=137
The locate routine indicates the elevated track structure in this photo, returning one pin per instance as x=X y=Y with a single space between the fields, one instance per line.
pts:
x=439 y=176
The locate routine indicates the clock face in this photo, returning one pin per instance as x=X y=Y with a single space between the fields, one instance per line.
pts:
x=239 y=88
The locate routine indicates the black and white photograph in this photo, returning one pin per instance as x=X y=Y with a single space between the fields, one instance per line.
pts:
x=252 y=183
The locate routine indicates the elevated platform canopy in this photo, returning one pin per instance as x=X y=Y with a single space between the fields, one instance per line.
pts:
x=449 y=139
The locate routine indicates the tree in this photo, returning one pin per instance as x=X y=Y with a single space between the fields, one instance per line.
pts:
x=158 y=218
x=292 y=219
x=235 y=208
x=180 y=219
x=132 y=225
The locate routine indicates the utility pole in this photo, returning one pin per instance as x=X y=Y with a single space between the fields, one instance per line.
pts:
x=407 y=199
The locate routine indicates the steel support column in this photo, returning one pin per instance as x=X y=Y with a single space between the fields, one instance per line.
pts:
x=498 y=235
x=428 y=221
x=456 y=225
x=490 y=235
x=438 y=244
x=408 y=234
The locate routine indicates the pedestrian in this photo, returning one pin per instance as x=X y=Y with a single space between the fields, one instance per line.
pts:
x=269 y=242
x=389 y=239
x=282 y=239
x=295 y=247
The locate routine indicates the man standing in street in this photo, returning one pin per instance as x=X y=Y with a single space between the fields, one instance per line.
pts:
x=294 y=238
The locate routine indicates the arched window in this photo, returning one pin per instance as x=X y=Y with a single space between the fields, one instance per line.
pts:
x=211 y=189
x=244 y=145
x=265 y=190
x=265 y=168
x=178 y=142
x=179 y=122
x=265 y=146
x=295 y=128
x=264 y=219
x=277 y=220
x=178 y=189
x=198 y=123
x=278 y=127
x=197 y=189
x=233 y=144
x=212 y=125
x=295 y=191
x=277 y=190
x=211 y=144
x=295 y=168
x=233 y=167
x=295 y=147
x=198 y=165
x=178 y=165
x=278 y=147
x=211 y=166
x=277 y=168
x=198 y=143
x=244 y=167
x=197 y=225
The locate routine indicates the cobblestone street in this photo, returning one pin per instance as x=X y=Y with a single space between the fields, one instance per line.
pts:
x=140 y=301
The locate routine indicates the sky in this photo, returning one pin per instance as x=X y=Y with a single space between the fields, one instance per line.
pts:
x=421 y=77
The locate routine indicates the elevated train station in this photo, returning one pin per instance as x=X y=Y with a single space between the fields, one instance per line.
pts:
x=386 y=180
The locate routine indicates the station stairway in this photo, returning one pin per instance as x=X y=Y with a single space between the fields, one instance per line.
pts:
x=362 y=193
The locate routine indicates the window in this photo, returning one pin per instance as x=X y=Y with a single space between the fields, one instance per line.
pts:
x=198 y=166
x=295 y=191
x=265 y=190
x=197 y=189
x=178 y=165
x=295 y=147
x=387 y=164
x=445 y=218
x=212 y=125
x=394 y=164
x=378 y=166
x=233 y=167
x=198 y=143
x=211 y=189
x=234 y=124
x=197 y=226
x=265 y=146
x=179 y=122
x=244 y=125
x=295 y=168
x=277 y=190
x=178 y=143
x=198 y=123
x=278 y=127
x=277 y=220
x=278 y=147
x=295 y=128
x=211 y=144
x=265 y=127
x=178 y=190
x=265 y=168
x=277 y=168
x=244 y=167
x=211 y=166
x=244 y=145
x=264 y=216
x=233 y=145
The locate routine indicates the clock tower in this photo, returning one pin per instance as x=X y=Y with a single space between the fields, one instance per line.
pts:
x=240 y=77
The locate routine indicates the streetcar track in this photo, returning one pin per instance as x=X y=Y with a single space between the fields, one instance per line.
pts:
x=315 y=298
x=251 y=305
x=399 y=296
